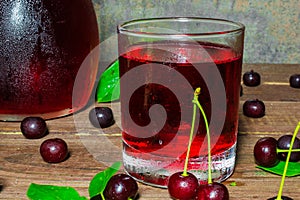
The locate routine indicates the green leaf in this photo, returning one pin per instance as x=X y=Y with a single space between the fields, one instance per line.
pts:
x=109 y=87
x=293 y=169
x=50 y=192
x=99 y=181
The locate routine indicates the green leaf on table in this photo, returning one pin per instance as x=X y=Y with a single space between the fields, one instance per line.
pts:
x=51 y=192
x=99 y=181
x=293 y=169
x=109 y=87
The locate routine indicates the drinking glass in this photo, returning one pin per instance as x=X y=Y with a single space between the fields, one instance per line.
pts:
x=43 y=45
x=162 y=62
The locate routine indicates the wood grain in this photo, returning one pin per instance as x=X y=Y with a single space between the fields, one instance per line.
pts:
x=93 y=150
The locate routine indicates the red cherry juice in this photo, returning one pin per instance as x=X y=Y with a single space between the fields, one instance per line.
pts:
x=43 y=45
x=152 y=157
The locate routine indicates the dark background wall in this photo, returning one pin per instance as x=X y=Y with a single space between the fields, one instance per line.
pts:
x=272 y=26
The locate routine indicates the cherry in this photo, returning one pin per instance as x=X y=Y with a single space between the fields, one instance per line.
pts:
x=254 y=108
x=265 y=153
x=33 y=127
x=295 y=80
x=54 y=150
x=213 y=191
x=251 y=78
x=101 y=117
x=121 y=187
x=284 y=142
x=268 y=153
x=183 y=187
x=282 y=198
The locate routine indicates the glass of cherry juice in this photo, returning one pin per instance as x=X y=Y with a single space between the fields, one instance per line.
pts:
x=162 y=62
x=43 y=50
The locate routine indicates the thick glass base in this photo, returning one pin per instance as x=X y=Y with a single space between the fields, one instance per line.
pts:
x=156 y=171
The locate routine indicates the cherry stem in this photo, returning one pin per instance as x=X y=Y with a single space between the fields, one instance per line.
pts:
x=190 y=140
x=102 y=195
x=196 y=103
x=197 y=92
x=287 y=162
x=287 y=150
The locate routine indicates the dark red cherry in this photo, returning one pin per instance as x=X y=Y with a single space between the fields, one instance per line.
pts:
x=295 y=80
x=54 y=150
x=183 y=187
x=254 y=108
x=265 y=152
x=121 y=187
x=101 y=117
x=251 y=78
x=33 y=127
x=214 y=191
x=284 y=142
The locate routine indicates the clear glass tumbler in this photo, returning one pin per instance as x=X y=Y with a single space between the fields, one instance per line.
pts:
x=162 y=62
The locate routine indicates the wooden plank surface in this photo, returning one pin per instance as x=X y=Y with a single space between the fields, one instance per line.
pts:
x=91 y=151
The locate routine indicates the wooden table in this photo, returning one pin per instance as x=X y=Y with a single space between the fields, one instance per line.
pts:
x=21 y=164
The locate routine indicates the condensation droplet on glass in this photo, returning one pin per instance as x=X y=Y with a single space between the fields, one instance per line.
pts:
x=160 y=142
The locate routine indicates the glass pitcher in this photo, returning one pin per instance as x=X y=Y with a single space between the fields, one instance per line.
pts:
x=43 y=47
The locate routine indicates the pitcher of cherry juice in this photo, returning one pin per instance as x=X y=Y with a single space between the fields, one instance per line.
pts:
x=43 y=45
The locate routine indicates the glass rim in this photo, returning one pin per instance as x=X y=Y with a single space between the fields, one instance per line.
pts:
x=236 y=26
